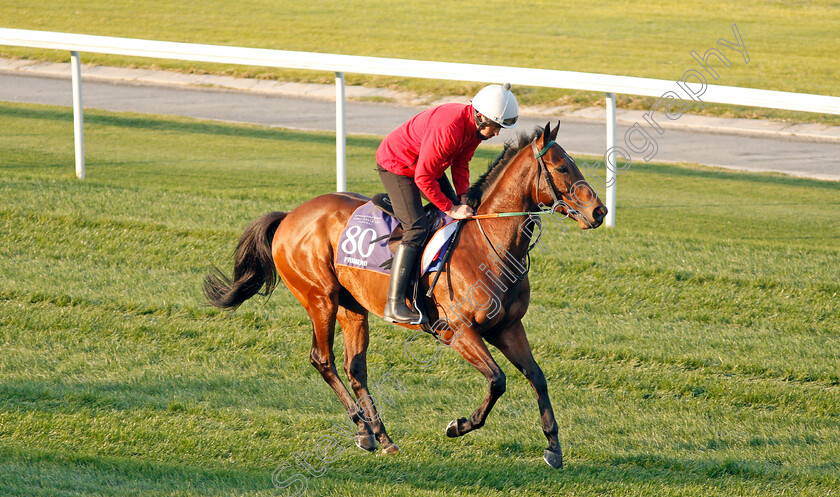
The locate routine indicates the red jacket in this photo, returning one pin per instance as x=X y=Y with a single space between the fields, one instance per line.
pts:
x=427 y=144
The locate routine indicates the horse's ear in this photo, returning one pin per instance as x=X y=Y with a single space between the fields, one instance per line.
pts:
x=546 y=136
x=555 y=130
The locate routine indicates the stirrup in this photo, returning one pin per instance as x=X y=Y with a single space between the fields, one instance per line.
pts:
x=409 y=318
x=422 y=319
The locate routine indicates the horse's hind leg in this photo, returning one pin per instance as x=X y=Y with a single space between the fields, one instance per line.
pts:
x=354 y=326
x=322 y=312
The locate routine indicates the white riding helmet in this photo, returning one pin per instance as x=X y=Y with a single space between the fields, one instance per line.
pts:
x=497 y=103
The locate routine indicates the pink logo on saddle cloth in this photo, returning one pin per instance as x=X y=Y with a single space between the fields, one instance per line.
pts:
x=364 y=242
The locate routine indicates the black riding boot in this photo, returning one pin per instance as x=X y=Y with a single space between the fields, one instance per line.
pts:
x=401 y=268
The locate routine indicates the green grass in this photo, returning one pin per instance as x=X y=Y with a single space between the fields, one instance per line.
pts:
x=792 y=46
x=692 y=350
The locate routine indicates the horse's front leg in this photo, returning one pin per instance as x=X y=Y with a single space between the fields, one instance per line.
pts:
x=471 y=347
x=514 y=345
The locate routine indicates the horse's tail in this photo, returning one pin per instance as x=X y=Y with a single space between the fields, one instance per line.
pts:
x=253 y=267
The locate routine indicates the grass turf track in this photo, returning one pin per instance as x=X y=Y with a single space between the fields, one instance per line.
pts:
x=792 y=46
x=692 y=350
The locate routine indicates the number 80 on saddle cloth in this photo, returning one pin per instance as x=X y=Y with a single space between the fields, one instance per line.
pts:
x=364 y=241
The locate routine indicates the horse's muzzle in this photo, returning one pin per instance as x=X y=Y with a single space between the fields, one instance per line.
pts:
x=598 y=215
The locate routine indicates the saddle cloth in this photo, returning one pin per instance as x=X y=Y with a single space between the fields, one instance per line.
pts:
x=364 y=241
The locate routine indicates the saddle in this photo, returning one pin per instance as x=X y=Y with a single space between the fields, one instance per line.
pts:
x=383 y=202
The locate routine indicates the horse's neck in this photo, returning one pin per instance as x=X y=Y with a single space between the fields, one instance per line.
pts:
x=510 y=193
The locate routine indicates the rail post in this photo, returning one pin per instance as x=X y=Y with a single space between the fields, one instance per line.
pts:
x=78 y=113
x=610 y=160
x=340 y=135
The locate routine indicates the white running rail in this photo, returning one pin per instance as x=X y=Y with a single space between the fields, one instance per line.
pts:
x=340 y=64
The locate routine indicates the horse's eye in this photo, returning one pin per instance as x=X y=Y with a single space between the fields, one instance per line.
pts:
x=562 y=169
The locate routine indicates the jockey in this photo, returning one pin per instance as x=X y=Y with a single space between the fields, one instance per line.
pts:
x=412 y=162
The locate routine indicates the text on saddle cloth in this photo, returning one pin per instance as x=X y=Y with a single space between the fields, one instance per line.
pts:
x=364 y=241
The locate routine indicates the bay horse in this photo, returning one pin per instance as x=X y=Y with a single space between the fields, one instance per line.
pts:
x=300 y=247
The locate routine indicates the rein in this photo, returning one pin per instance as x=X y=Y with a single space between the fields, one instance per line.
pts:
x=538 y=156
x=541 y=212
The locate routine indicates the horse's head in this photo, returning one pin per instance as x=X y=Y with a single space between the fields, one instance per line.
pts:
x=561 y=184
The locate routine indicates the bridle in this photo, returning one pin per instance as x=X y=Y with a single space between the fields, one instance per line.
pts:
x=541 y=167
x=555 y=195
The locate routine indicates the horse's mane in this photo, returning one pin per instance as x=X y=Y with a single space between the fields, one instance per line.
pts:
x=486 y=180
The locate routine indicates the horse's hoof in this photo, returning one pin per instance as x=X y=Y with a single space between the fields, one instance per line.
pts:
x=453 y=428
x=366 y=442
x=553 y=459
x=391 y=449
